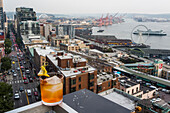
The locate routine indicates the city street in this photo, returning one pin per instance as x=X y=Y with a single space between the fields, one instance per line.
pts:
x=19 y=74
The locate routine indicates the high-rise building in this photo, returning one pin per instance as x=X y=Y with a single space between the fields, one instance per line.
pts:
x=1 y=15
x=29 y=27
x=65 y=30
x=24 y=14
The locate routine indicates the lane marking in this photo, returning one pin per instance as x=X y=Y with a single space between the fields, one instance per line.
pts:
x=27 y=97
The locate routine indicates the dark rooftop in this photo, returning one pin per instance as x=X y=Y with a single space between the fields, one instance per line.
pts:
x=85 y=101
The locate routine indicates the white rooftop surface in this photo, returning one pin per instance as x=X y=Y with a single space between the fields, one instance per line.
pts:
x=121 y=100
x=72 y=73
x=53 y=59
x=95 y=50
x=27 y=39
x=44 y=52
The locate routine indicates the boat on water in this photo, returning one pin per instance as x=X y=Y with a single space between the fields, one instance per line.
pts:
x=150 y=32
x=100 y=31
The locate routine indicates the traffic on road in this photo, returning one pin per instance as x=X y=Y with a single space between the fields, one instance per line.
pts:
x=24 y=81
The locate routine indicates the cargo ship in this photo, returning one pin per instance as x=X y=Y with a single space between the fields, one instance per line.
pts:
x=150 y=32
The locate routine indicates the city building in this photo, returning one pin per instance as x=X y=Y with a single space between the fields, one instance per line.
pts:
x=133 y=88
x=45 y=29
x=55 y=41
x=29 y=27
x=31 y=39
x=1 y=15
x=65 y=29
x=40 y=52
x=23 y=14
x=74 y=45
x=77 y=73
x=106 y=81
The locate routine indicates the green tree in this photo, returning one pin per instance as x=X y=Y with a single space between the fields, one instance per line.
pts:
x=18 y=41
x=6 y=94
x=8 y=50
x=8 y=35
x=8 y=43
x=4 y=59
x=6 y=63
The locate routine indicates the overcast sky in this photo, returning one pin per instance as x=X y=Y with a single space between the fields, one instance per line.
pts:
x=91 y=6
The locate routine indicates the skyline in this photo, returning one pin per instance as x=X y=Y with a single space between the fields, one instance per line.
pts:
x=90 y=7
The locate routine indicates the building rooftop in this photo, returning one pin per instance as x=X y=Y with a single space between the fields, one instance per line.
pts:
x=104 y=77
x=70 y=71
x=119 y=99
x=126 y=82
x=96 y=51
x=76 y=71
x=85 y=101
x=43 y=51
x=32 y=39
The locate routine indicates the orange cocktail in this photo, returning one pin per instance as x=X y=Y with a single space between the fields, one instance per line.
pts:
x=51 y=90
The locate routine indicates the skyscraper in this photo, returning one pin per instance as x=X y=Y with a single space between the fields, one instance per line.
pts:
x=1 y=15
x=65 y=30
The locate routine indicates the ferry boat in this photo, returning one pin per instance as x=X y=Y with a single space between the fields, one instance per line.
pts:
x=150 y=32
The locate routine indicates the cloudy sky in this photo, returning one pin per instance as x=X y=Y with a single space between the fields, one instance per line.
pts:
x=91 y=6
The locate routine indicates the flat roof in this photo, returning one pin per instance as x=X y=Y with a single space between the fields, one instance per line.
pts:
x=149 y=77
x=27 y=39
x=85 y=101
x=121 y=100
x=44 y=51
x=70 y=72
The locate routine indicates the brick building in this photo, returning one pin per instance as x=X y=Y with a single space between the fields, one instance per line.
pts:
x=77 y=74
x=40 y=53
x=106 y=81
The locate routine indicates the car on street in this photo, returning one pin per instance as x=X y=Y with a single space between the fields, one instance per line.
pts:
x=12 y=71
x=21 y=88
x=37 y=98
x=29 y=92
x=16 y=96
x=30 y=79
x=18 y=69
x=26 y=81
x=29 y=76
x=35 y=93
x=24 y=62
x=27 y=71
x=24 y=77
x=14 y=74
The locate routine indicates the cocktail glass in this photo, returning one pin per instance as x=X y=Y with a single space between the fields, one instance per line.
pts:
x=51 y=90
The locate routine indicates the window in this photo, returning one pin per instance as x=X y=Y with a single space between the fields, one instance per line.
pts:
x=91 y=76
x=73 y=81
x=91 y=84
x=132 y=91
x=100 y=88
x=114 y=83
x=128 y=92
x=79 y=79
x=137 y=89
x=92 y=90
x=73 y=89
x=109 y=84
x=80 y=86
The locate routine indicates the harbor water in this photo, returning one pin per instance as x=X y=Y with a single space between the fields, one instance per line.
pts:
x=124 y=30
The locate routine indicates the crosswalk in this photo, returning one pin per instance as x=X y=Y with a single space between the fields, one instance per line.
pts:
x=16 y=82
x=19 y=81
